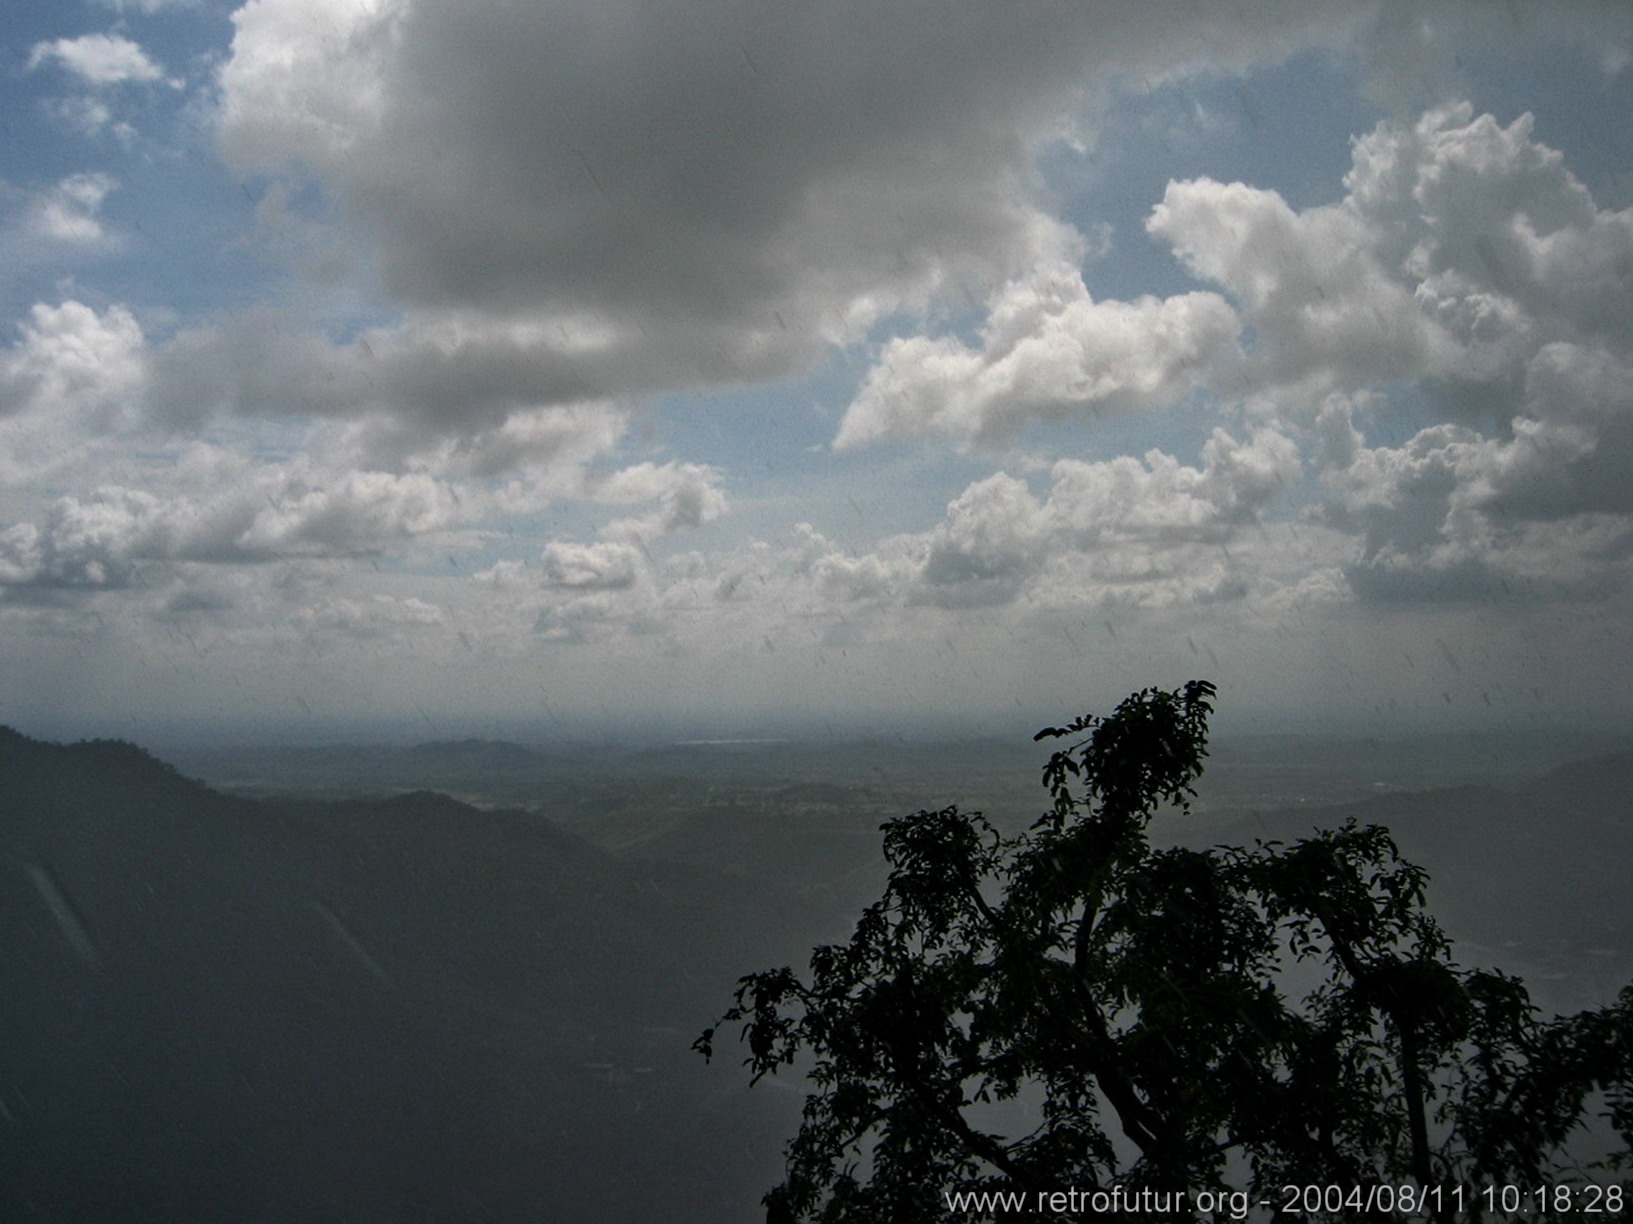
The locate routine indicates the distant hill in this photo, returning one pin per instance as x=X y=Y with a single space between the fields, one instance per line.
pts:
x=1597 y=785
x=407 y=1009
x=485 y=772
x=498 y=756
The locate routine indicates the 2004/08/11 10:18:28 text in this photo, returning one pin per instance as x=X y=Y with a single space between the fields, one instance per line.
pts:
x=1512 y=1201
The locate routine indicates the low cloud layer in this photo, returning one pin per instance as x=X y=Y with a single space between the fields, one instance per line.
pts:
x=100 y=541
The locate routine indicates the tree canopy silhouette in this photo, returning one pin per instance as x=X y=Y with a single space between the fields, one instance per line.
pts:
x=1180 y=1022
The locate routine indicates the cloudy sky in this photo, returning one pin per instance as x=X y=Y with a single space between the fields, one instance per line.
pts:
x=747 y=364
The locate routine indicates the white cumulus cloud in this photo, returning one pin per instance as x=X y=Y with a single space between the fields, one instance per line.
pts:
x=1111 y=527
x=102 y=539
x=98 y=59
x=602 y=566
x=688 y=495
x=71 y=360
x=1048 y=351
x=1326 y=312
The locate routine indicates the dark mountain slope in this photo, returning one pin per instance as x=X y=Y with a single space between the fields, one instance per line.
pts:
x=223 y=1009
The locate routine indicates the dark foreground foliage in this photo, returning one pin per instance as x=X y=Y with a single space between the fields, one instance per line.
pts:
x=1163 y=1019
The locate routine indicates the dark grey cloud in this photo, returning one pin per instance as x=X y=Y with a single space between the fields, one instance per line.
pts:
x=623 y=197
x=1542 y=508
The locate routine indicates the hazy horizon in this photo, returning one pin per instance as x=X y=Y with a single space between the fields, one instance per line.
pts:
x=159 y=733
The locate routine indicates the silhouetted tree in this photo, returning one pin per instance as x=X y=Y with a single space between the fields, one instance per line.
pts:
x=1163 y=1020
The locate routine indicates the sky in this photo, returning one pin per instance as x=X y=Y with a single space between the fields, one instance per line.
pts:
x=737 y=366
